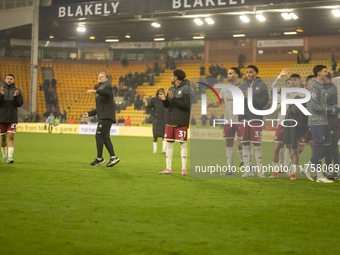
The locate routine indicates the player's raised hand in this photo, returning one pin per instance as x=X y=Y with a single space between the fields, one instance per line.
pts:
x=284 y=72
x=2 y=92
x=16 y=93
x=161 y=95
x=85 y=114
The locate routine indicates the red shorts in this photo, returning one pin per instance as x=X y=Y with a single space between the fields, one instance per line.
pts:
x=179 y=133
x=278 y=134
x=306 y=138
x=250 y=133
x=230 y=130
x=8 y=128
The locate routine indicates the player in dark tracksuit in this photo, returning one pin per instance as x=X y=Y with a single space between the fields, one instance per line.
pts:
x=292 y=131
x=318 y=123
x=105 y=110
x=332 y=99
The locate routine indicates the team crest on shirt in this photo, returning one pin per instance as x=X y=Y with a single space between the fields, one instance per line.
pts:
x=314 y=95
x=179 y=92
x=257 y=88
x=303 y=140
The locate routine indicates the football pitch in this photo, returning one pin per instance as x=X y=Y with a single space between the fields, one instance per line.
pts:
x=53 y=202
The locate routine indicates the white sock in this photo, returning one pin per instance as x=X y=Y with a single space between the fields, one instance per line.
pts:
x=184 y=155
x=287 y=158
x=251 y=155
x=246 y=150
x=276 y=167
x=230 y=156
x=154 y=146
x=10 y=152
x=164 y=145
x=169 y=153
x=258 y=157
x=281 y=154
x=240 y=154
x=4 y=151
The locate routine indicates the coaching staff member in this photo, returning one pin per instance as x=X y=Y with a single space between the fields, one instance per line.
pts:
x=106 y=117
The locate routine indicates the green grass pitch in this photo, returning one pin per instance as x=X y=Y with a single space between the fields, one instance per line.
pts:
x=53 y=202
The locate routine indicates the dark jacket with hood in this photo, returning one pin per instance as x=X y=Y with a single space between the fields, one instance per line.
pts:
x=332 y=99
x=292 y=133
x=158 y=111
x=178 y=107
x=105 y=106
x=9 y=104
x=260 y=98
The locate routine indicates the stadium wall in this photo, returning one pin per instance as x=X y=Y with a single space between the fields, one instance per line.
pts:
x=90 y=129
x=320 y=48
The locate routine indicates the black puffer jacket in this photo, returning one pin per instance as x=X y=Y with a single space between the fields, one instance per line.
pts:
x=105 y=106
x=158 y=111
x=179 y=107
x=9 y=104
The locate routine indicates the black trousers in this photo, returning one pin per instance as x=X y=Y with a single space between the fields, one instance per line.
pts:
x=103 y=137
x=333 y=155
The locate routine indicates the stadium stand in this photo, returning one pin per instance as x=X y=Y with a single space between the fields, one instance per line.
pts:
x=74 y=79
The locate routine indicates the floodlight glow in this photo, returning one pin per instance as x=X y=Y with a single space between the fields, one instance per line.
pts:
x=155 y=24
x=293 y=15
x=239 y=35
x=209 y=21
x=112 y=40
x=244 y=18
x=286 y=16
x=198 y=22
x=260 y=17
x=198 y=37
x=290 y=33
x=336 y=13
x=81 y=29
x=158 y=39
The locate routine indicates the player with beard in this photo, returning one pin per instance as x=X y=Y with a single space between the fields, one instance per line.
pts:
x=252 y=132
x=10 y=99
x=318 y=123
x=233 y=126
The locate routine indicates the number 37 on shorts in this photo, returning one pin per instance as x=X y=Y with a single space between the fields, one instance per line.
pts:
x=179 y=133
